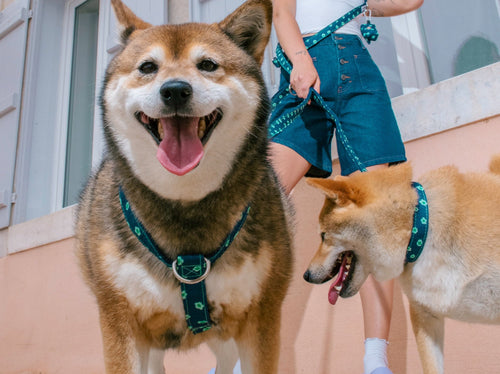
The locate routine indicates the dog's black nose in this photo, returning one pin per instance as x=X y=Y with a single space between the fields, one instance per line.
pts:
x=307 y=276
x=176 y=92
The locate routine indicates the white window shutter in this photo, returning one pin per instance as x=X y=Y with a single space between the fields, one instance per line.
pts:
x=210 y=11
x=13 y=34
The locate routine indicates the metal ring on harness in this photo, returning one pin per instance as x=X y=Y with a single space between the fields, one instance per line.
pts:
x=191 y=281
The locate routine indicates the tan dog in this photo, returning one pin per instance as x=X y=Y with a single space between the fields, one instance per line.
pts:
x=366 y=224
x=182 y=233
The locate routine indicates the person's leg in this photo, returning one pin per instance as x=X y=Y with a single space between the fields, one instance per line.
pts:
x=370 y=131
x=289 y=165
x=377 y=301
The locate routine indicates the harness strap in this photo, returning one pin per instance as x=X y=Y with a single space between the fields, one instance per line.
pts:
x=193 y=292
x=190 y=270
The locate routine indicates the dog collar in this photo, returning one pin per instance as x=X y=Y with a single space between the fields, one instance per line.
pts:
x=190 y=270
x=420 y=225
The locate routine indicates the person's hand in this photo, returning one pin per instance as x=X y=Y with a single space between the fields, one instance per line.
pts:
x=303 y=75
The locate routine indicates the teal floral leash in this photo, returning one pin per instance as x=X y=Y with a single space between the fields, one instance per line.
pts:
x=287 y=118
x=420 y=225
x=190 y=270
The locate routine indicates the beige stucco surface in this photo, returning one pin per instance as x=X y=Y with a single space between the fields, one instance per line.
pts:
x=49 y=323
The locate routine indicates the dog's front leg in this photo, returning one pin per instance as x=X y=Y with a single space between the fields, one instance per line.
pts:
x=429 y=334
x=259 y=345
x=124 y=351
x=155 y=361
x=226 y=353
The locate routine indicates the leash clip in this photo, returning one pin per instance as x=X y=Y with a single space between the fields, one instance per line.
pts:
x=367 y=12
x=368 y=30
x=191 y=281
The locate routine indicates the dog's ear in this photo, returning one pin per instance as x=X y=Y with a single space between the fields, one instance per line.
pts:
x=127 y=20
x=339 y=191
x=249 y=27
x=327 y=186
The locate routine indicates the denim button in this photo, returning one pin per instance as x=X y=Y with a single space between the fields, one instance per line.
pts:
x=341 y=46
x=338 y=38
x=342 y=61
x=344 y=77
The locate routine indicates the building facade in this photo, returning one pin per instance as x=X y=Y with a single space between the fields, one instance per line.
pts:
x=441 y=64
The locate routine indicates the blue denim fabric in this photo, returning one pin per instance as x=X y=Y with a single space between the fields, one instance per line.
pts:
x=352 y=86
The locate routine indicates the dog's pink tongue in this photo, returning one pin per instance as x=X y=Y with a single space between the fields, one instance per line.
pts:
x=181 y=150
x=333 y=292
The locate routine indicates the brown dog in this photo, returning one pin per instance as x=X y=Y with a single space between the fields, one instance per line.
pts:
x=366 y=224
x=182 y=232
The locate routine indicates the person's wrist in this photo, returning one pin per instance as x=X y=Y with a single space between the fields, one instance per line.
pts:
x=301 y=56
x=302 y=52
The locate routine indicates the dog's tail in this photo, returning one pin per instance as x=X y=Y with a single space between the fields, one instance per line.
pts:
x=495 y=164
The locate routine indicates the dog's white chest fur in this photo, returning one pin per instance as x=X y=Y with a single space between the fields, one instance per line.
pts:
x=235 y=287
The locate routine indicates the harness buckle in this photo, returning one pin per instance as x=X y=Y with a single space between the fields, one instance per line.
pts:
x=191 y=281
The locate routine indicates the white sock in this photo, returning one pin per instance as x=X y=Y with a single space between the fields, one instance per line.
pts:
x=236 y=370
x=375 y=354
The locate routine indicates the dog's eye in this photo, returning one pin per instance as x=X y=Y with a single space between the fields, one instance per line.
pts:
x=148 y=67
x=207 y=65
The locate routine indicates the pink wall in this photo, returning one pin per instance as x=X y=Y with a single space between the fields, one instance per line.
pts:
x=48 y=320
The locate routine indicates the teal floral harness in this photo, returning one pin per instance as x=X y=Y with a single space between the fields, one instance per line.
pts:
x=190 y=270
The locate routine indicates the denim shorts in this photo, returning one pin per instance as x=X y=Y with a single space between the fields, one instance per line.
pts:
x=353 y=88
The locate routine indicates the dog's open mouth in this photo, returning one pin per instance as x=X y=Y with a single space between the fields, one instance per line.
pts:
x=343 y=268
x=180 y=139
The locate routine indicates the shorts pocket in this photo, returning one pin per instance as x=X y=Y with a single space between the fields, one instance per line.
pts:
x=369 y=74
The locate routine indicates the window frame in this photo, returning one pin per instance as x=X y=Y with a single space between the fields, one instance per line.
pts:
x=411 y=50
x=63 y=105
